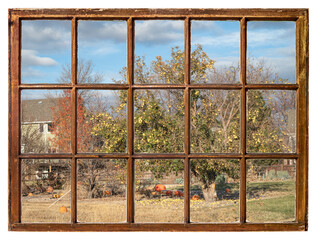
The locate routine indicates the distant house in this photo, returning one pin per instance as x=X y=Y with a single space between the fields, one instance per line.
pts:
x=37 y=117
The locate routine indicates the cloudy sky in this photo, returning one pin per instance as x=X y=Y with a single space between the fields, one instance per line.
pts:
x=220 y=40
x=275 y=43
x=46 y=44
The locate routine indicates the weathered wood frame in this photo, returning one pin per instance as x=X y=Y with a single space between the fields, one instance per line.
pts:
x=300 y=16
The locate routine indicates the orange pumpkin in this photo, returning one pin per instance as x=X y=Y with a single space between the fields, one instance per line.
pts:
x=169 y=193
x=108 y=193
x=55 y=196
x=195 y=197
x=30 y=194
x=227 y=190
x=179 y=193
x=159 y=187
x=49 y=189
x=153 y=193
x=63 y=209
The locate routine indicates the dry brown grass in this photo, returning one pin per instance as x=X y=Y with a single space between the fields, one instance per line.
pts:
x=103 y=210
x=280 y=208
x=272 y=203
x=36 y=210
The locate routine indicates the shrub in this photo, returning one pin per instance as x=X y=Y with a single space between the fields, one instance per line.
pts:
x=283 y=175
x=221 y=179
x=271 y=175
x=179 y=180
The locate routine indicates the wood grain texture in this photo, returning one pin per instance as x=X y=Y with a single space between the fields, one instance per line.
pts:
x=302 y=119
x=130 y=15
x=74 y=61
x=130 y=60
x=289 y=14
x=14 y=120
x=160 y=227
x=187 y=33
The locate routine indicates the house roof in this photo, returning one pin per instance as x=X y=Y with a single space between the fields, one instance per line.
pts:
x=38 y=110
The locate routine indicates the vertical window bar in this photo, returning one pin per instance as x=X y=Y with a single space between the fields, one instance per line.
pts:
x=187 y=122
x=302 y=119
x=298 y=27
x=243 y=62
x=74 y=35
x=14 y=120
x=130 y=74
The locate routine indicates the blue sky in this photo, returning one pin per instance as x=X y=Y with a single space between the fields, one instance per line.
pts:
x=46 y=45
x=274 y=42
x=105 y=44
x=220 y=40
x=157 y=37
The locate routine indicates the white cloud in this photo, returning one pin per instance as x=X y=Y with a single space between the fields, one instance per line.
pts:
x=270 y=37
x=222 y=62
x=46 y=35
x=159 y=31
x=31 y=58
x=284 y=66
x=230 y=40
x=105 y=50
x=202 y=25
x=90 y=32
x=31 y=73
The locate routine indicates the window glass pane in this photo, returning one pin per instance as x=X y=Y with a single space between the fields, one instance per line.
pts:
x=159 y=52
x=215 y=121
x=46 y=51
x=102 y=51
x=159 y=121
x=215 y=52
x=101 y=189
x=159 y=191
x=45 y=121
x=271 y=190
x=271 y=52
x=102 y=121
x=214 y=190
x=271 y=121
x=46 y=190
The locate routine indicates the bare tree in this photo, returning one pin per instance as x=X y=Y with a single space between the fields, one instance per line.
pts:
x=32 y=140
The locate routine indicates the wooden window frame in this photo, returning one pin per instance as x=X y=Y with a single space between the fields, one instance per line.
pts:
x=300 y=16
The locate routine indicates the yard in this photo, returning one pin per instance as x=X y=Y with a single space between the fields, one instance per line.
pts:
x=266 y=202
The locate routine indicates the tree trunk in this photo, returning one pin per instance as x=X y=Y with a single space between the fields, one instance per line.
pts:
x=210 y=193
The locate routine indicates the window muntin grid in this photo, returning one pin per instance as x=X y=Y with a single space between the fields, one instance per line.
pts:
x=187 y=155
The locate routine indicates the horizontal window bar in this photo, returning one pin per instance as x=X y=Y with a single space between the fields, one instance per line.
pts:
x=93 y=17
x=100 y=155
x=162 y=155
x=271 y=155
x=272 y=86
x=214 y=155
x=45 y=86
x=225 y=13
x=45 y=156
x=160 y=86
x=291 y=226
x=215 y=86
